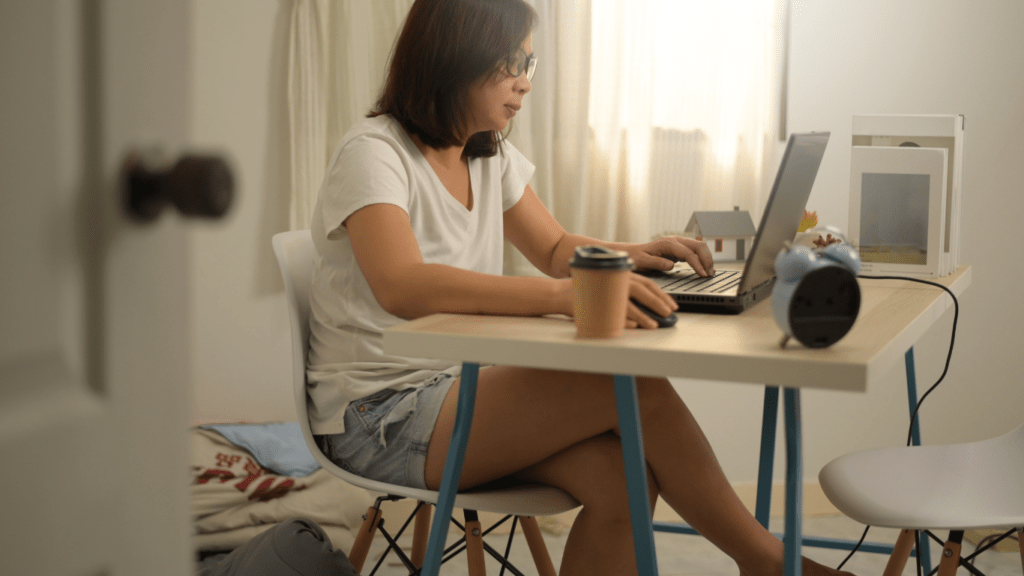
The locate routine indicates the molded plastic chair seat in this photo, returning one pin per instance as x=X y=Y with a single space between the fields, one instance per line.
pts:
x=517 y=500
x=955 y=487
x=296 y=256
x=946 y=487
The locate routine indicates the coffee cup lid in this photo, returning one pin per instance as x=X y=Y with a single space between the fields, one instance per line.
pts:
x=593 y=257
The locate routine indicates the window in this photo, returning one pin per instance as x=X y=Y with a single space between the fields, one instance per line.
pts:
x=714 y=69
x=684 y=101
x=713 y=66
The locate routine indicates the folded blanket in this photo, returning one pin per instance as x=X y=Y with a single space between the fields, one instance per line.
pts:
x=234 y=497
x=279 y=446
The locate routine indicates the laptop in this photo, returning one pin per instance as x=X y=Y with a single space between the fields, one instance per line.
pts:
x=732 y=292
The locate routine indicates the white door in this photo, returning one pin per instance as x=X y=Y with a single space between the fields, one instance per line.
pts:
x=93 y=307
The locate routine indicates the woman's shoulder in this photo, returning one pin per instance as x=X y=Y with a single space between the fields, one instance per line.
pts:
x=508 y=158
x=373 y=141
x=383 y=129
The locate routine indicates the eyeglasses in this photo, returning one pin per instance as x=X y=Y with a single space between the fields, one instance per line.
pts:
x=521 y=62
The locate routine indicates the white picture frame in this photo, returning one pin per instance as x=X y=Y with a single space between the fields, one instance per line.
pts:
x=898 y=209
x=927 y=131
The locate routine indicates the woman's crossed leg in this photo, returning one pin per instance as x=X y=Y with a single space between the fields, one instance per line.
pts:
x=561 y=429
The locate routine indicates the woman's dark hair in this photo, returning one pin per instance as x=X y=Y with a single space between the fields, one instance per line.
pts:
x=445 y=46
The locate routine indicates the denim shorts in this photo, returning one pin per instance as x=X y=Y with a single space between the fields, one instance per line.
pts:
x=387 y=433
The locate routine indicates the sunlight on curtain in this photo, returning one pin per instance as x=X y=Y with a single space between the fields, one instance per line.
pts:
x=718 y=58
x=621 y=75
x=683 y=108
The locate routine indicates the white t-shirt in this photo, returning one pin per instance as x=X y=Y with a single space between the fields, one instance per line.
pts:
x=378 y=163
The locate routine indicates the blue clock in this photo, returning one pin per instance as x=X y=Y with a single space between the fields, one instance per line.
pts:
x=816 y=297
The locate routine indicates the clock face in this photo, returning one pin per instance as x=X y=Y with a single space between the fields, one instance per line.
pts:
x=824 y=306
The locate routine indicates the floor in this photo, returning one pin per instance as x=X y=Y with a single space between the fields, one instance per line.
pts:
x=692 y=555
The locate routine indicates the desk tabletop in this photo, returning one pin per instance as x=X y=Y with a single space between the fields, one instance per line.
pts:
x=746 y=347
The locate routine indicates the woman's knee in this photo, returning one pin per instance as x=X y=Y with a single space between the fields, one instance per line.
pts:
x=655 y=388
x=657 y=396
x=602 y=488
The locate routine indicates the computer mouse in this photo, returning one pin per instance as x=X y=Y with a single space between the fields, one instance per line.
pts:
x=663 y=321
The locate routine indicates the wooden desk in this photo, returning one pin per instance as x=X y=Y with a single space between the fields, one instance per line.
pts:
x=741 y=348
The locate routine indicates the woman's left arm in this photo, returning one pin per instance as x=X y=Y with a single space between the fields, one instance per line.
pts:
x=535 y=232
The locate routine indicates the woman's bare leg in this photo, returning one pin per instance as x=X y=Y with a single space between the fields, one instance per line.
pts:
x=525 y=417
x=601 y=538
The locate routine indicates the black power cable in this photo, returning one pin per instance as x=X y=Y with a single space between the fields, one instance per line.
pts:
x=913 y=416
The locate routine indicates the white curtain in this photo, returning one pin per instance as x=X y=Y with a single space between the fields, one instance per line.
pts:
x=338 y=56
x=552 y=129
x=307 y=110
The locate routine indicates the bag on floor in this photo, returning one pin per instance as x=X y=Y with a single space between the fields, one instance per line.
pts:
x=297 y=547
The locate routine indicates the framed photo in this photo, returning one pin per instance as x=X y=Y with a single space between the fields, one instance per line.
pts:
x=898 y=209
x=925 y=131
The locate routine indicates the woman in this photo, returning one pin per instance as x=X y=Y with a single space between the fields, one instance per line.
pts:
x=410 y=221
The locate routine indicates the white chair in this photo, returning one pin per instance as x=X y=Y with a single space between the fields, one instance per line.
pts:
x=954 y=487
x=296 y=255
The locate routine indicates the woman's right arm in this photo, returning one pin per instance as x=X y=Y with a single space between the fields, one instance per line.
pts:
x=388 y=255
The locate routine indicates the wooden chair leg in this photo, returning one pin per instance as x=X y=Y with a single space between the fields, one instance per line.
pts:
x=900 y=553
x=535 y=540
x=950 y=560
x=1020 y=544
x=420 y=533
x=474 y=545
x=364 y=537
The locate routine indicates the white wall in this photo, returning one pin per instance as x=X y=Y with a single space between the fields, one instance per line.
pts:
x=241 y=340
x=926 y=56
x=912 y=56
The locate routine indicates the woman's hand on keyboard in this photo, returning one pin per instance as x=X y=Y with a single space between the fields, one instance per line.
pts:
x=663 y=253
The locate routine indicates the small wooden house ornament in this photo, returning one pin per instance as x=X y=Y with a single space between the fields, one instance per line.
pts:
x=728 y=234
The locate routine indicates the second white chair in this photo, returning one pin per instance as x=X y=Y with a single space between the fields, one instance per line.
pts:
x=954 y=487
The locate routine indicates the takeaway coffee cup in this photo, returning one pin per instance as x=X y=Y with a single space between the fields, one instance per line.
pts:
x=600 y=287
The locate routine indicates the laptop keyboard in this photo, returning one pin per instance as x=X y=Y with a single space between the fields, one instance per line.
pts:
x=691 y=282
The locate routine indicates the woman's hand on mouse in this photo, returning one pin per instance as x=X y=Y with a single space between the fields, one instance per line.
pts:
x=645 y=291
x=641 y=288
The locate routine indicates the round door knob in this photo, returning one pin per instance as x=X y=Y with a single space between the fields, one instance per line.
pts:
x=197 y=185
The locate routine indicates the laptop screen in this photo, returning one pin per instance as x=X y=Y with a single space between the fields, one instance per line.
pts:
x=785 y=207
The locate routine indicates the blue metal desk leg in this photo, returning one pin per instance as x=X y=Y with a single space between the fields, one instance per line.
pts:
x=452 y=470
x=636 y=474
x=794 y=484
x=766 y=466
x=915 y=434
